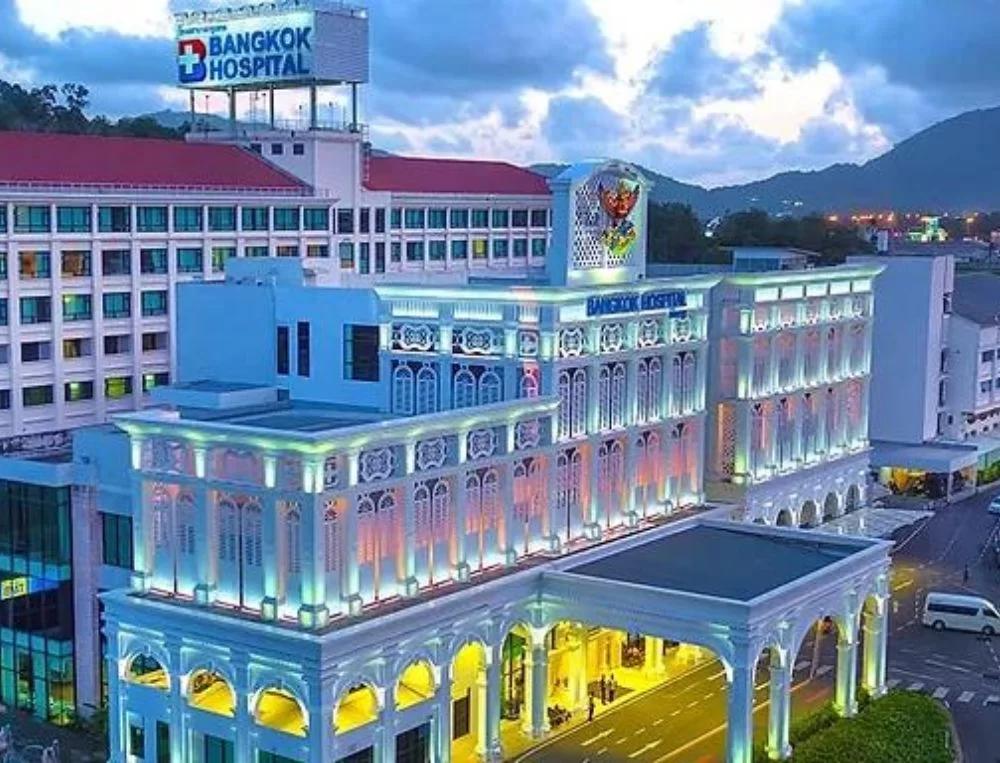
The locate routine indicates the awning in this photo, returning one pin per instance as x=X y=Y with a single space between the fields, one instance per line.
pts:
x=928 y=457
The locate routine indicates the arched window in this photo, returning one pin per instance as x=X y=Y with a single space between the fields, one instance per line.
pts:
x=676 y=384
x=756 y=437
x=331 y=537
x=575 y=481
x=604 y=398
x=528 y=386
x=402 y=390
x=654 y=458
x=832 y=418
x=642 y=391
x=278 y=709
x=427 y=391
x=421 y=508
x=654 y=392
x=161 y=518
x=689 y=380
x=808 y=424
x=441 y=504
x=491 y=495
x=562 y=483
x=490 y=387
x=578 y=424
x=228 y=529
x=783 y=430
x=464 y=394
x=252 y=534
x=473 y=501
x=185 y=525
x=565 y=403
x=293 y=540
x=619 y=397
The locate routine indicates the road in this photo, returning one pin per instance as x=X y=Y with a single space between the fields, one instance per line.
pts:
x=684 y=720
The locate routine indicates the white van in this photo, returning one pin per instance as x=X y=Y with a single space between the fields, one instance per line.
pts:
x=961 y=613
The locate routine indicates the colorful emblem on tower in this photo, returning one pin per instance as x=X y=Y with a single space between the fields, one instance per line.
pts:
x=617 y=203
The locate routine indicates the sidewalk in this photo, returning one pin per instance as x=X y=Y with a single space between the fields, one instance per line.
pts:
x=632 y=684
x=30 y=735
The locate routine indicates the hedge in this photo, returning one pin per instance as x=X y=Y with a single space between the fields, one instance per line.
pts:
x=901 y=727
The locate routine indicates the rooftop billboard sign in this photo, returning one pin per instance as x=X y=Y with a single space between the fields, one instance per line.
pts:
x=271 y=46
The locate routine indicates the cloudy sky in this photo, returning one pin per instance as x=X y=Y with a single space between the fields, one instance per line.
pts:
x=707 y=91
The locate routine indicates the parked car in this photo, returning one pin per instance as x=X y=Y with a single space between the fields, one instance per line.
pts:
x=994 y=507
x=962 y=613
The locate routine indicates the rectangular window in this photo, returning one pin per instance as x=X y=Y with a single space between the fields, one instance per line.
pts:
x=277 y=149
x=379 y=256
x=217 y=750
x=538 y=247
x=34 y=264
x=345 y=251
x=282 y=350
x=33 y=352
x=255 y=251
x=364 y=219
x=254 y=218
x=117 y=344
x=539 y=218
x=3 y=218
x=364 y=257
x=114 y=219
x=151 y=381
x=3 y=265
x=75 y=391
x=151 y=219
x=437 y=250
x=187 y=219
x=519 y=218
x=75 y=263
x=480 y=218
x=414 y=218
x=437 y=218
x=117 y=387
x=459 y=249
x=77 y=307
x=316 y=218
x=73 y=219
x=77 y=348
x=219 y=256
x=302 y=349
x=116 y=262
x=153 y=341
x=987 y=356
x=520 y=247
x=117 y=304
x=154 y=303
x=162 y=741
x=298 y=149
x=479 y=248
x=286 y=250
x=5 y=399
x=36 y=310
x=137 y=741
x=35 y=396
x=189 y=260
x=222 y=218
x=499 y=248
x=286 y=218
x=501 y=218
x=414 y=251
x=361 y=353
x=396 y=251
x=345 y=220
x=32 y=219
x=317 y=250
x=986 y=386
x=380 y=219
x=395 y=218
x=459 y=218
x=153 y=261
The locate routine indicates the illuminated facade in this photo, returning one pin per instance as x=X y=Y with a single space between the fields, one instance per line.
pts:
x=789 y=391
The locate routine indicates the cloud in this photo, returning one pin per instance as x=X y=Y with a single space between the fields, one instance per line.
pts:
x=691 y=69
x=578 y=128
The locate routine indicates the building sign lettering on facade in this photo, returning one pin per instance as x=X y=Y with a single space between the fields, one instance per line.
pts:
x=612 y=304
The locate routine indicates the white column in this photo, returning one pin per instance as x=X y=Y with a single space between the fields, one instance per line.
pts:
x=553 y=520
x=313 y=612
x=441 y=748
x=592 y=527
x=772 y=362
x=846 y=700
x=823 y=365
x=493 y=750
x=577 y=659
x=535 y=722
x=739 y=725
x=507 y=497
x=142 y=533
x=631 y=385
x=408 y=551
x=273 y=598
x=351 y=582
x=778 y=747
x=629 y=481
x=875 y=634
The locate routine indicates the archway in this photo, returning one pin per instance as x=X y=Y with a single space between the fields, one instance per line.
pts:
x=415 y=685
x=358 y=707
x=279 y=709
x=785 y=519
x=809 y=516
x=146 y=670
x=513 y=672
x=852 y=499
x=831 y=506
x=468 y=702
x=208 y=690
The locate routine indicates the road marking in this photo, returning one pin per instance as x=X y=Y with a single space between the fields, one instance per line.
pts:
x=892 y=683
x=675 y=712
x=597 y=738
x=915 y=686
x=822 y=670
x=966 y=696
x=709 y=695
x=601 y=751
x=940 y=693
x=937 y=664
x=692 y=704
x=658 y=721
x=638 y=731
x=621 y=740
x=902 y=585
x=646 y=748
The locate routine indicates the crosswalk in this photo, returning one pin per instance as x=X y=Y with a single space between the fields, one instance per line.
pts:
x=961 y=696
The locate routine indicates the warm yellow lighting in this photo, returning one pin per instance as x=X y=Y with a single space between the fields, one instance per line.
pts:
x=357 y=708
x=146 y=671
x=209 y=691
x=416 y=685
x=278 y=709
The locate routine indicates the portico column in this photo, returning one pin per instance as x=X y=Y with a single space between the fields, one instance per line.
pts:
x=739 y=725
x=142 y=532
x=846 y=700
x=386 y=735
x=778 y=747
x=553 y=522
x=493 y=751
x=772 y=361
x=800 y=349
x=535 y=720
x=652 y=662
x=507 y=495
x=272 y=600
x=592 y=527
x=441 y=752
x=313 y=612
x=207 y=557
x=576 y=657
x=824 y=353
x=875 y=631
x=629 y=481
x=408 y=550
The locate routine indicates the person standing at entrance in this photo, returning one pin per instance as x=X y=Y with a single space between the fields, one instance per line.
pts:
x=590 y=707
x=604 y=690
x=612 y=688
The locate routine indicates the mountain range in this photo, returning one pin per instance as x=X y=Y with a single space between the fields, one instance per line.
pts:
x=951 y=166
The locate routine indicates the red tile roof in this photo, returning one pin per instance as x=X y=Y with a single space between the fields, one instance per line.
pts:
x=93 y=160
x=407 y=174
